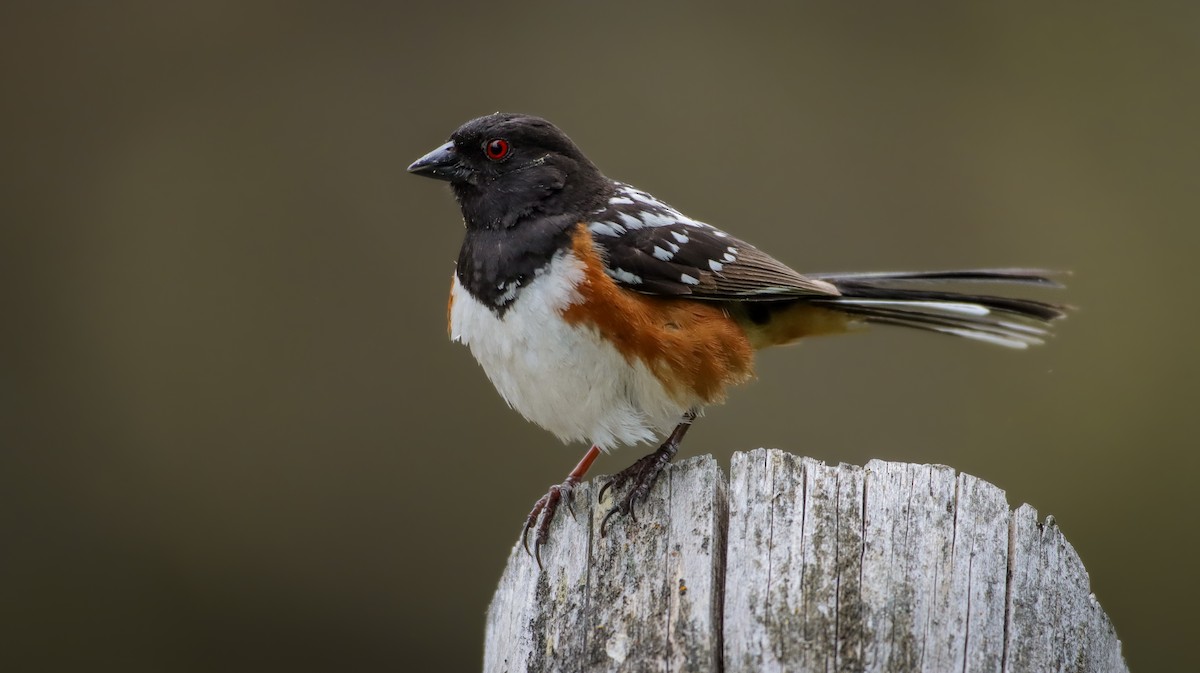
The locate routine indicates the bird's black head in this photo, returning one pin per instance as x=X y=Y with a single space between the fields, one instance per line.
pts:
x=508 y=168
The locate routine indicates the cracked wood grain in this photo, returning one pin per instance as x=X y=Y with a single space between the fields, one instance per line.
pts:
x=647 y=597
x=1054 y=621
x=795 y=565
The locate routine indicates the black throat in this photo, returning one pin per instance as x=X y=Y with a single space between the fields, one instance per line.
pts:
x=513 y=234
x=494 y=265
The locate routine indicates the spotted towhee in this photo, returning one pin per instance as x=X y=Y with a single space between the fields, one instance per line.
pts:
x=606 y=316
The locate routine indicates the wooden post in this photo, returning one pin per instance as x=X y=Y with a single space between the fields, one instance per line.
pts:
x=794 y=565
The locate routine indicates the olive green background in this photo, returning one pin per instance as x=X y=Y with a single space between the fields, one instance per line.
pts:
x=235 y=435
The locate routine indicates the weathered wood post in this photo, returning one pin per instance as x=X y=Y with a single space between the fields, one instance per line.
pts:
x=794 y=565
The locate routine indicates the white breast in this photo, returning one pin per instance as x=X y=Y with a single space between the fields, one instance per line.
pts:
x=563 y=377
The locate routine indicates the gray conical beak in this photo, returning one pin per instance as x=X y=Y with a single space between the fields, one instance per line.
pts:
x=441 y=164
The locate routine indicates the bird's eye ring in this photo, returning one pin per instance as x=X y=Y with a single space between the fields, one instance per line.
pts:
x=496 y=149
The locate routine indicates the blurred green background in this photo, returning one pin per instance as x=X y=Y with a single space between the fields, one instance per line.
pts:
x=236 y=437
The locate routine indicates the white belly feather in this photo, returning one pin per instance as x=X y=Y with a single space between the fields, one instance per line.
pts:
x=562 y=377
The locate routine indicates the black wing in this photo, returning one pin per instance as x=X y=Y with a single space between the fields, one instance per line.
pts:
x=651 y=247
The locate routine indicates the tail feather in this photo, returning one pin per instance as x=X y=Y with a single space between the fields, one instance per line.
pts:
x=887 y=298
x=1008 y=275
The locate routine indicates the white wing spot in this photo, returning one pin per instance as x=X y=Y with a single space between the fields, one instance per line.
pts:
x=728 y=258
x=644 y=198
x=621 y=201
x=689 y=279
x=656 y=220
x=630 y=221
x=663 y=254
x=719 y=234
x=715 y=265
x=682 y=238
x=672 y=246
x=626 y=277
x=606 y=228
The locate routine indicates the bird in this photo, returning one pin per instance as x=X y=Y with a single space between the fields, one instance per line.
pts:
x=608 y=317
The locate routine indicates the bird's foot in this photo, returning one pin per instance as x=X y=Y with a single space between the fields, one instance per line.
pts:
x=640 y=477
x=542 y=515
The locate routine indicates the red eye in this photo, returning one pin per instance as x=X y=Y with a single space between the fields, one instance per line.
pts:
x=496 y=149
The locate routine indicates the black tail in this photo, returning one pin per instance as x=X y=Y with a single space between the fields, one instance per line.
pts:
x=898 y=299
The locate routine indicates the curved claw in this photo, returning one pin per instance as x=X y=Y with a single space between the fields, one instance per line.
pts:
x=643 y=474
x=607 y=485
x=530 y=520
x=604 y=521
x=628 y=505
x=543 y=530
x=542 y=515
x=570 y=500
